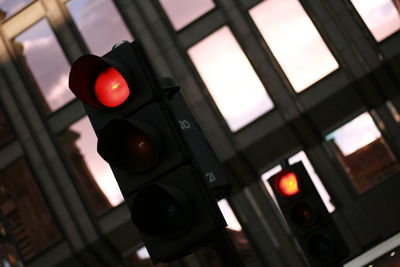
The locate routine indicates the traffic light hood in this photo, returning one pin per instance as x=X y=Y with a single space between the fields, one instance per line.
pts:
x=84 y=74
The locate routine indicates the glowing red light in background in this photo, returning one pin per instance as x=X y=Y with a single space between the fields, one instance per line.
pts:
x=110 y=88
x=288 y=184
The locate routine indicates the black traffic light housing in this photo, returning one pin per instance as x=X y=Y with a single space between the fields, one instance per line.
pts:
x=307 y=216
x=140 y=137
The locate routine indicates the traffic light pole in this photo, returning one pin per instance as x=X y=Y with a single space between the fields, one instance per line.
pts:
x=227 y=253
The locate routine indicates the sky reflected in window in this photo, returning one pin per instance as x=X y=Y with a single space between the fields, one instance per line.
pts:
x=363 y=153
x=183 y=12
x=294 y=41
x=100 y=24
x=10 y=7
x=229 y=215
x=380 y=16
x=355 y=134
x=230 y=79
x=301 y=156
x=98 y=167
x=47 y=62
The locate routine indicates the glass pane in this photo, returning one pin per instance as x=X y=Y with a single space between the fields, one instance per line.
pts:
x=10 y=7
x=363 y=152
x=43 y=55
x=183 y=12
x=301 y=156
x=100 y=24
x=141 y=258
x=235 y=232
x=380 y=16
x=94 y=174
x=5 y=131
x=229 y=216
x=230 y=79
x=26 y=211
x=294 y=41
x=9 y=253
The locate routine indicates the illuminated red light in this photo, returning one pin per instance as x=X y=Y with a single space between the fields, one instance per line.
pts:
x=110 y=88
x=288 y=184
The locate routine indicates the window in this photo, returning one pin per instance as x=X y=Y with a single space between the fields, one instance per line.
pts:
x=229 y=216
x=26 y=211
x=94 y=174
x=10 y=7
x=230 y=79
x=301 y=156
x=363 y=153
x=294 y=41
x=183 y=12
x=380 y=16
x=100 y=24
x=42 y=54
x=5 y=131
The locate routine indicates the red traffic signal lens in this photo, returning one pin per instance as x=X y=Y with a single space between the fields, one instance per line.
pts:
x=303 y=215
x=130 y=145
x=161 y=210
x=288 y=184
x=110 y=88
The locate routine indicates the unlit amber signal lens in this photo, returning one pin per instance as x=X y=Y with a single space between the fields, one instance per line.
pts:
x=110 y=88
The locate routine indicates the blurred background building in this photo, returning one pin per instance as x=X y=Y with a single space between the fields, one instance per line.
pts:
x=313 y=81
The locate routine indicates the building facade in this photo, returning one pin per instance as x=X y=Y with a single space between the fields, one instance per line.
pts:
x=311 y=81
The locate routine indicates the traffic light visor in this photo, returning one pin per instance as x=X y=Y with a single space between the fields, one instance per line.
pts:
x=99 y=82
x=130 y=145
x=161 y=210
x=287 y=184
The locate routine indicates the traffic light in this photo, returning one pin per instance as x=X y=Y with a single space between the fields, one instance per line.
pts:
x=139 y=136
x=307 y=216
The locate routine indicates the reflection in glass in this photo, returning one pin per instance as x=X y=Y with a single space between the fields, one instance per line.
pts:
x=10 y=7
x=5 y=131
x=230 y=79
x=9 y=254
x=380 y=16
x=294 y=41
x=183 y=12
x=26 y=211
x=42 y=54
x=100 y=24
x=301 y=156
x=94 y=174
x=229 y=216
x=363 y=152
x=235 y=232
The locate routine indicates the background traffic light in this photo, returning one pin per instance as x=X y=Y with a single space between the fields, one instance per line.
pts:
x=140 y=137
x=307 y=216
